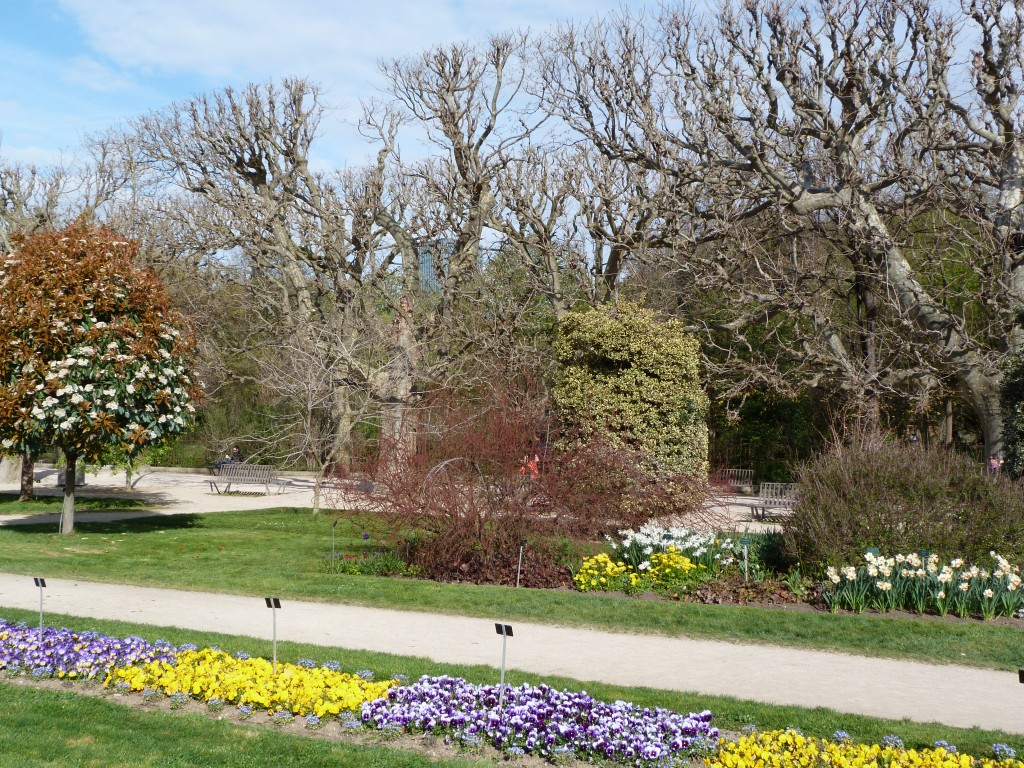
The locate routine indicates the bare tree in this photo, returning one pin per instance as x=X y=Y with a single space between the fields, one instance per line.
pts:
x=819 y=111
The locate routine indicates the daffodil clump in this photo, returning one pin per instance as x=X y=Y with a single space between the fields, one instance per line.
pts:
x=789 y=748
x=919 y=582
x=211 y=674
x=662 y=571
x=636 y=548
x=601 y=573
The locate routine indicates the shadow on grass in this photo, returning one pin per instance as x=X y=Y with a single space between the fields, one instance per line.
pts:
x=48 y=500
x=133 y=525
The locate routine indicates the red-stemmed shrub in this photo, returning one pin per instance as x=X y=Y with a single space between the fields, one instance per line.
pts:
x=485 y=477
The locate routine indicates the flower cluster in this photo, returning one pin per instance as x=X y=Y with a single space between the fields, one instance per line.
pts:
x=542 y=721
x=703 y=549
x=662 y=570
x=208 y=674
x=791 y=748
x=602 y=573
x=65 y=654
x=918 y=582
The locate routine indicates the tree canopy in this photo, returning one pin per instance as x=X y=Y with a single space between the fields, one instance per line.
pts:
x=94 y=357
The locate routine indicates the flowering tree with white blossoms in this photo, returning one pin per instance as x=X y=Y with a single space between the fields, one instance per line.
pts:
x=91 y=355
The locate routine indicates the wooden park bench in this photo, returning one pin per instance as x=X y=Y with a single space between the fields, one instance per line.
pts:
x=246 y=474
x=733 y=478
x=773 y=496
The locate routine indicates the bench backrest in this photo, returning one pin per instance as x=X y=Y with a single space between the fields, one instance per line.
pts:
x=732 y=476
x=784 y=493
x=257 y=473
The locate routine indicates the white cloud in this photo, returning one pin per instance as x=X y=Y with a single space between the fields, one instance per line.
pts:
x=232 y=39
x=78 y=66
x=91 y=74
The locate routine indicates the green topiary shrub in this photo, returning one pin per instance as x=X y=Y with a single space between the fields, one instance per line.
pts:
x=633 y=380
x=901 y=499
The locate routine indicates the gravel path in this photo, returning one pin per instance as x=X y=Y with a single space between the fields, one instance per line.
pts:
x=952 y=695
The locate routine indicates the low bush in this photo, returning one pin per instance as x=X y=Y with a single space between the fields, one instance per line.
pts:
x=899 y=498
x=482 y=481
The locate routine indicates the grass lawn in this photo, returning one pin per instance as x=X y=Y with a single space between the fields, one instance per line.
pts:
x=9 y=504
x=730 y=714
x=286 y=552
x=59 y=729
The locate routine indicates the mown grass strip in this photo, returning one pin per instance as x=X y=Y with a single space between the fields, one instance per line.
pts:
x=731 y=714
x=287 y=552
x=60 y=729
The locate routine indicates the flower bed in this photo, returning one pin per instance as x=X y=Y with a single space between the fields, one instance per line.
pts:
x=211 y=674
x=542 y=721
x=654 y=558
x=64 y=654
x=917 y=582
x=535 y=720
x=785 y=748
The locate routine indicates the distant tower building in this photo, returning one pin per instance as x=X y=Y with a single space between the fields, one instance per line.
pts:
x=428 y=273
x=434 y=260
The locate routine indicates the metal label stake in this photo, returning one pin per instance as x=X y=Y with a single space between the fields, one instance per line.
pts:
x=41 y=583
x=505 y=630
x=273 y=603
x=334 y=556
x=519 y=568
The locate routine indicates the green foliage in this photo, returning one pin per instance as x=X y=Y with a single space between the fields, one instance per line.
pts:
x=901 y=498
x=634 y=380
x=771 y=435
x=383 y=562
x=1011 y=401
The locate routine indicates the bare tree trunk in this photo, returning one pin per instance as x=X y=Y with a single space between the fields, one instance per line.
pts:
x=947 y=431
x=67 y=514
x=982 y=392
x=28 y=477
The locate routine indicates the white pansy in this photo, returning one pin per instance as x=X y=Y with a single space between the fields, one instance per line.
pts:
x=77 y=398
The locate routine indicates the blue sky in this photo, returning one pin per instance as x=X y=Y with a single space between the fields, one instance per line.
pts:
x=75 y=67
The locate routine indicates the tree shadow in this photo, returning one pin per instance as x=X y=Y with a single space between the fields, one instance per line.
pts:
x=135 y=525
